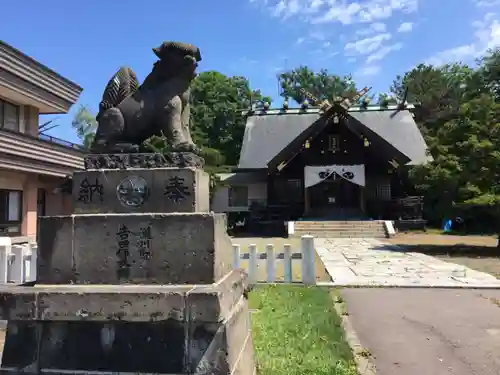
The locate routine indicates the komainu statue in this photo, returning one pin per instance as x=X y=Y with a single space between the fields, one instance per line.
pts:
x=130 y=113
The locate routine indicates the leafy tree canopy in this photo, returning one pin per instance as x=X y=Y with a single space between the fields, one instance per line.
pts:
x=459 y=115
x=85 y=126
x=217 y=105
x=322 y=84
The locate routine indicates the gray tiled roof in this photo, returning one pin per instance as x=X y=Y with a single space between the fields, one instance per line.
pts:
x=266 y=135
x=400 y=130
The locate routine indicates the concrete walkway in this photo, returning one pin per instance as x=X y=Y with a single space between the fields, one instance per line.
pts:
x=370 y=262
x=427 y=331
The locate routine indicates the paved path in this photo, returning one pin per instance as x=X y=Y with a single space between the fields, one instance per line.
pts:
x=370 y=262
x=428 y=331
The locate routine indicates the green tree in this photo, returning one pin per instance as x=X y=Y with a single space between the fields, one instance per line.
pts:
x=322 y=84
x=466 y=166
x=386 y=99
x=459 y=116
x=488 y=73
x=85 y=125
x=439 y=92
x=217 y=104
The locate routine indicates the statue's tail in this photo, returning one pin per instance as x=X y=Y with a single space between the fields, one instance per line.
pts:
x=123 y=84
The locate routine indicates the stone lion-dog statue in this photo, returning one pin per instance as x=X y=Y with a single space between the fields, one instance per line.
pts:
x=130 y=113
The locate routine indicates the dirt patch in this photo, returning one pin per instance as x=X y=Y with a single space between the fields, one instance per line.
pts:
x=476 y=252
x=443 y=239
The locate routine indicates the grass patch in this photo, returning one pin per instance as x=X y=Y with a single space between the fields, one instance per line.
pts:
x=296 y=331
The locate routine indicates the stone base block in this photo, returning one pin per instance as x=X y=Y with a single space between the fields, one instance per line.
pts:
x=129 y=329
x=133 y=248
x=141 y=190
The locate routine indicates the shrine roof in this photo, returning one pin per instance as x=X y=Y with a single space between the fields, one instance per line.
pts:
x=268 y=133
x=399 y=129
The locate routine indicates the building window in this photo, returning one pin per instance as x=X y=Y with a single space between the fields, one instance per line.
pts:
x=238 y=196
x=333 y=143
x=383 y=191
x=9 y=116
x=287 y=191
x=11 y=203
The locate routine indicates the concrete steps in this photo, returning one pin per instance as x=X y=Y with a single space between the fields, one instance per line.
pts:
x=340 y=229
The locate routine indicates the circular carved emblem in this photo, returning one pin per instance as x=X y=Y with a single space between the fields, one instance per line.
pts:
x=132 y=191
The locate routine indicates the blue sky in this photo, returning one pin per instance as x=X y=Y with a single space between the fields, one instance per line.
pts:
x=87 y=41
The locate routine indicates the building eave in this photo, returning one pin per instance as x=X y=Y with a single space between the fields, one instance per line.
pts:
x=22 y=75
x=27 y=153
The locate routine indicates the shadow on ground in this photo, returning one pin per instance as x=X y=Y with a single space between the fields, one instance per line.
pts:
x=449 y=250
x=478 y=253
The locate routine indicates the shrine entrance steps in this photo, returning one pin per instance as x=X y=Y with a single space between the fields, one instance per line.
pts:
x=339 y=229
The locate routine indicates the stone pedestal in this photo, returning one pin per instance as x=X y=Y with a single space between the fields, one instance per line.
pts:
x=141 y=190
x=133 y=248
x=137 y=280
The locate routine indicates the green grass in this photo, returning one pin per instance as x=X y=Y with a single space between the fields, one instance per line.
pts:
x=296 y=331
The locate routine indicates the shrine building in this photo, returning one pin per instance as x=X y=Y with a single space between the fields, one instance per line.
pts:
x=302 y=164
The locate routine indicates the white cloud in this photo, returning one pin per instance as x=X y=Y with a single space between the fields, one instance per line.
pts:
x=405 y=27
x=486 y=36
x=372 y=40
x=286 y=8
x=383 y=52
x=367 y=45
x=486 y=3
x=317 y=35
x=345 y=12
x=376 y=27
x=368 y=70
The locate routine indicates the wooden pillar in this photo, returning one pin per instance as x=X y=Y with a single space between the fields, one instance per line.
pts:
x=306 y=193
x=30 y=195
x=362 y=203
x=306 y=200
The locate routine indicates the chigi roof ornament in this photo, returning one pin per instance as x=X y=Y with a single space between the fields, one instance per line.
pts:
x=402 y=104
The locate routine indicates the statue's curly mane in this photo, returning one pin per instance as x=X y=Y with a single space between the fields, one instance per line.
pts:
x=123 y=84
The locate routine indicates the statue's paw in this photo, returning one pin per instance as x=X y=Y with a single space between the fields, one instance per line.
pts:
x=122 y=148
x=194 y=149
x=185 y=147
